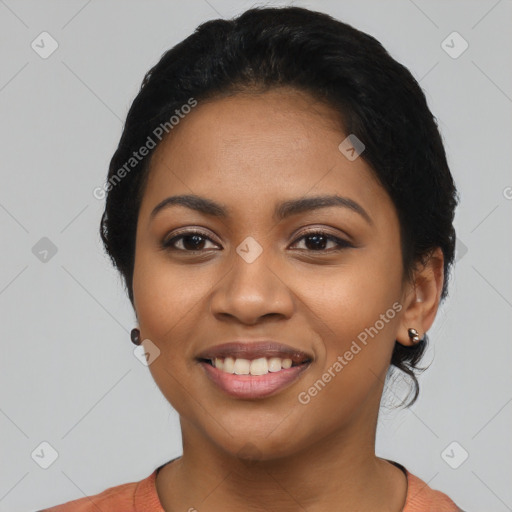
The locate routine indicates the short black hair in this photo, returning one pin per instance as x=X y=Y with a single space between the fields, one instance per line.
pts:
x=377 y=99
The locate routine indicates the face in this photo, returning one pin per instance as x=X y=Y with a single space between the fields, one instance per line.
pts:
x=324 y=280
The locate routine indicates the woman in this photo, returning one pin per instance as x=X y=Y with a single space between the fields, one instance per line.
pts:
x=280 y=208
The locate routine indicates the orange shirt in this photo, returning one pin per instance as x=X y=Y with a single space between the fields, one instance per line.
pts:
x=142 y=497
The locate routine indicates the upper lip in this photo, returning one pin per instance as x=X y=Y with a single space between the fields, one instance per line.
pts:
x=255 y=349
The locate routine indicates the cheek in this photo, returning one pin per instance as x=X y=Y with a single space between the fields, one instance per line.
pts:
x=166 y=294
x=350 y=298
x=359 y=321
x=358 y=310
x=171 y=303
x=361 y=304
x=168 y=303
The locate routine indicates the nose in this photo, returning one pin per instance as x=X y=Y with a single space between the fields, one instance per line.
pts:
x=251 y=291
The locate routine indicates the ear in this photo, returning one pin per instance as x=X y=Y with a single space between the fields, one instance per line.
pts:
x=421 y=298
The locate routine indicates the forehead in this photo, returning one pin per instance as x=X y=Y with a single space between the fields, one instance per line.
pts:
x=249 y=148
x=279 y=122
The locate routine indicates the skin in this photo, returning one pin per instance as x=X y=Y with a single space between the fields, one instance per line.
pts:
x=250 y=152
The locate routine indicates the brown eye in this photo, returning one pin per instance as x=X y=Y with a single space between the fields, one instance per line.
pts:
x=317 y=241
x=196 y=241
x=190 y=241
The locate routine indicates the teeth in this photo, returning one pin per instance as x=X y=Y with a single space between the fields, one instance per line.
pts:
x=274 y=364
x=242 y=366
x=260 y=366
x=229 y=365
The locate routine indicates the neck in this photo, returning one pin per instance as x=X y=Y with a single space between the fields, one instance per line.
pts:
x=339 y=471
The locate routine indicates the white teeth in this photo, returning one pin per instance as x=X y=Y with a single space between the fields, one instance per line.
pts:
x=274 y=364
x=229 y=365
x=242 y=366
x=260 y=366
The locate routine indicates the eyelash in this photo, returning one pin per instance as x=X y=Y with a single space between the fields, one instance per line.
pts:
x=342 y=244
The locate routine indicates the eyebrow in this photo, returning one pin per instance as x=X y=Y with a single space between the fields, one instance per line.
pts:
x=281 y=211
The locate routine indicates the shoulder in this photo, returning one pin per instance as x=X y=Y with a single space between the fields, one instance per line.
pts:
x=422 y=498
x=124 y=497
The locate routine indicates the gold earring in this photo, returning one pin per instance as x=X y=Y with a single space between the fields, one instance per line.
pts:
x=413 y=335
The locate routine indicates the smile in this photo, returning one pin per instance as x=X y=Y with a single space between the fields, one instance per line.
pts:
x=256 y=369
x=260 y=366
x=259 y=378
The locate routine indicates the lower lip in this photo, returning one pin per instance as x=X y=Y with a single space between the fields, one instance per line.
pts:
x=253 y=386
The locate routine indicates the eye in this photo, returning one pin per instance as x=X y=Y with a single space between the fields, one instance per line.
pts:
x=318 y=240
x=195 y=241
x=190 y=241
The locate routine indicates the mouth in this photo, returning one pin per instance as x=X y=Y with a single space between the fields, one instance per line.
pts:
x=253 y=370
x=259 y=366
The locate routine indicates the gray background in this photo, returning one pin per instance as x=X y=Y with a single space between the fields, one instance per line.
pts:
x=68 y=373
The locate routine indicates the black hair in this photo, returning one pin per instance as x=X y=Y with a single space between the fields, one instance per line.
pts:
x=377 y=99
